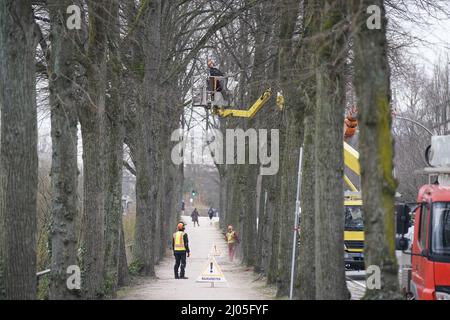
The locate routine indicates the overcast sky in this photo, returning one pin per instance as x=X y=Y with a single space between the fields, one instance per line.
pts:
x=437 y=34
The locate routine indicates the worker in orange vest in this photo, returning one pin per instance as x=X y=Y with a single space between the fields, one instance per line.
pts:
x=232 y=238
x=180 y=246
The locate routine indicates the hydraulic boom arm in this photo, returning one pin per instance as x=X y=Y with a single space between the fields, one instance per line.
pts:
x=250 y=113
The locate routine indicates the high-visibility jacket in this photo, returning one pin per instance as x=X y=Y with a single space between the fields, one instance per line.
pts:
x=231 y=237
x=178 y=240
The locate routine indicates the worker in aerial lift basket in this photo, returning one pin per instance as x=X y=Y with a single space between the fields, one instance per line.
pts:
x=180 y=245
x=214 y=84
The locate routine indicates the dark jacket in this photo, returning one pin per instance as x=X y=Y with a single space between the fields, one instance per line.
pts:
x=194 y=215
x=214 y=72
x=215 y=84
x=185 y=240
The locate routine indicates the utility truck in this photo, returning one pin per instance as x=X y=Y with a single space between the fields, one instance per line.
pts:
x=427 y=276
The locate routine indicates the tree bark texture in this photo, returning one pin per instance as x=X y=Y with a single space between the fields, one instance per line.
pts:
x=18 y=151
x=64 y=173
x=329 y=202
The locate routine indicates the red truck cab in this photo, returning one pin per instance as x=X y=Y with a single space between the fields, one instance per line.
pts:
x=430 y=261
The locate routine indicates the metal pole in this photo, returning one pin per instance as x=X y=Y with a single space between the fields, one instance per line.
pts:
x=297 y=215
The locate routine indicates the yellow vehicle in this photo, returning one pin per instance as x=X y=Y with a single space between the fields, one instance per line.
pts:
x=354 y=224
x=354 y=233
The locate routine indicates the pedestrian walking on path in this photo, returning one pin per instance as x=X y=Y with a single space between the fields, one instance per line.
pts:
x=194 y=216
x=180 y=245
x=232 y=239
x=210 y=214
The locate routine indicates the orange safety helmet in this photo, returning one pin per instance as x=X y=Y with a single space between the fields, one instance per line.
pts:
x=180 y=226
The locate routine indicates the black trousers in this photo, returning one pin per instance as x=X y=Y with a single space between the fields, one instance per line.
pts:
x=180 y=260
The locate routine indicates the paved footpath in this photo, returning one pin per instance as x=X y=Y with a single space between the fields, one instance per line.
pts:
x=241 y=281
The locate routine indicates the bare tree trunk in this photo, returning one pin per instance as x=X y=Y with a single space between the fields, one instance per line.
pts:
x=64 y=174
x=114 y=140
x=329 y=203
x=248 y=207
x=143 y=255
x=222 y=197
x=170 y=196
x=223 y=172
x=123 y=274
x=273 y=210
x=372 y=83
x=291 y=140
x=92 y=119
x=148 y=167
x=264 y=224
x=167 y=195
x=306 y=278
x=258 y=82
x=18 y=151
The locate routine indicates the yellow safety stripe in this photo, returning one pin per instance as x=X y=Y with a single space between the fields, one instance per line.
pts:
x=351 y=159
x=350 y=184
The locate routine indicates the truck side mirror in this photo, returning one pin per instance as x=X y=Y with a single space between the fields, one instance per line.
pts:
x=402 y=218
x=401 y=244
